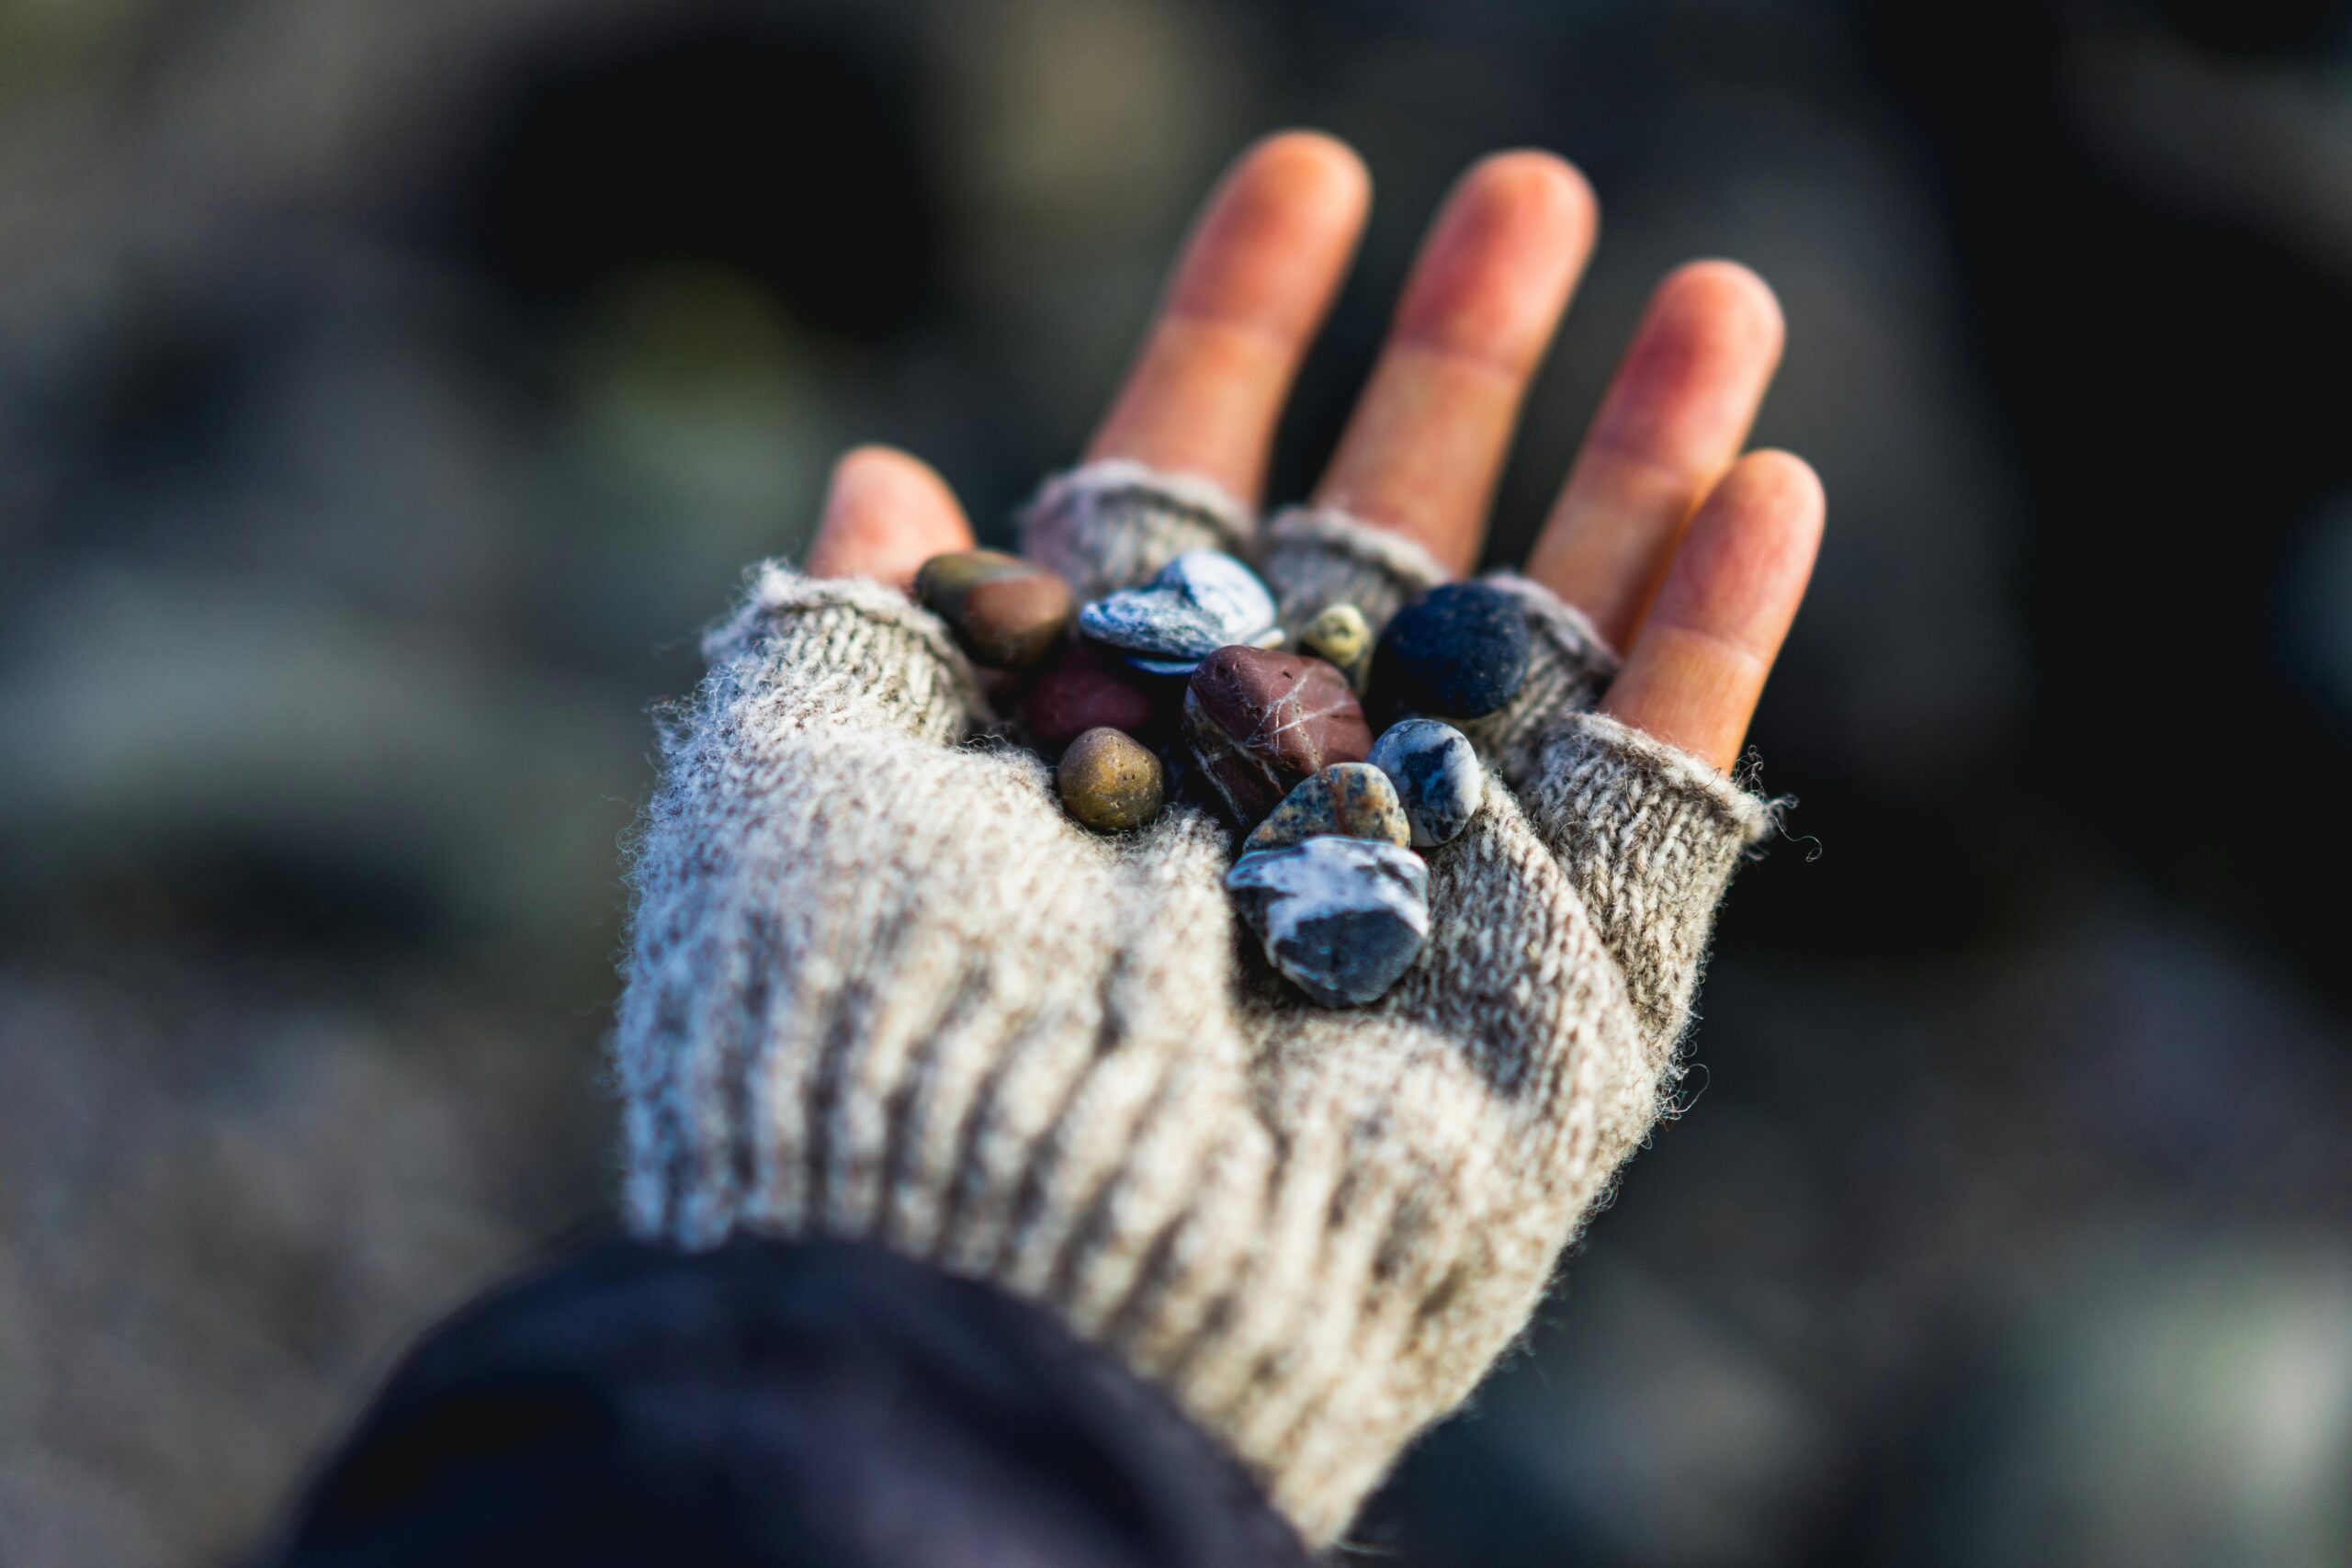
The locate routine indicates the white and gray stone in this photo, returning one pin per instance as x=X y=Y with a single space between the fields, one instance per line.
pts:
x=1340 y=918
x=1201 y=601
x=1437 y=774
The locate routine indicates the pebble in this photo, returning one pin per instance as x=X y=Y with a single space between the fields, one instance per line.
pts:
x=1085 y=691
x=1458 y=651
x=1110 y=781
x=1341 y=636
x=1259 y=721
x=1008 y=613
x=1349 y=800
x=1201 y=601
x=1340 y=918
x=1437 y=775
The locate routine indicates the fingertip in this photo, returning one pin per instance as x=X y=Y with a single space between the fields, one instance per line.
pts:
x=885 y=512
x=1275 y=236
x=892 y=470
x=1775 y=493
x=1501 y=260
x=1539 y=181
x=1742 y=568
x=1728 y=307
x=1699 y=663
x=1313 y=167
x=1252 y=285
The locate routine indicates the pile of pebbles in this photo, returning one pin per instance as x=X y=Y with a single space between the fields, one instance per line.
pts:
x=1184 y=685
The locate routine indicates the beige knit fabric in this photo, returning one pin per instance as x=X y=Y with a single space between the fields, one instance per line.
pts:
x=881 y=987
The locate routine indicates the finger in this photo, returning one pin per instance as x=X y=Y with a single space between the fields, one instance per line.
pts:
x=1698 y=668
x=1674 y=418
x=1254 y=282
x=885 y=513
x=1423 y=450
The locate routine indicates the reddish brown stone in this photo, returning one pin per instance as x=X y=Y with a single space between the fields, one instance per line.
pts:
x=1260 y=720
x=1084 y=691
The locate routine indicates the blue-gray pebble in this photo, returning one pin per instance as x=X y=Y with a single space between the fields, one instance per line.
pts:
x=1201 y=601
x=1340 y=918
x=1458 y=651
x=1437 y=775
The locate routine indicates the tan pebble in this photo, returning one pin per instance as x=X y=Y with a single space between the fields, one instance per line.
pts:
x=1340 y=635
x=1110 y=781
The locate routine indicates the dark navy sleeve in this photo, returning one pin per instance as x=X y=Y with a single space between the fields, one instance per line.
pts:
x=771 y=1403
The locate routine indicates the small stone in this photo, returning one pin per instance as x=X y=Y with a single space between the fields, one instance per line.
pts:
x=1260 y=721
x=1007 y=612
x=1083 y=692
x=1340 y=918
x=1201 y=601
x=1341 y=636
x=1110 y=781
x=1437 y=775
x=1348 y=800
x=1458 y=651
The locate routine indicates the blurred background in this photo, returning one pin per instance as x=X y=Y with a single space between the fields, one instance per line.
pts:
x=389 y=391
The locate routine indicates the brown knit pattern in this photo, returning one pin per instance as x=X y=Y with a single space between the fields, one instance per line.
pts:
x=882 y=986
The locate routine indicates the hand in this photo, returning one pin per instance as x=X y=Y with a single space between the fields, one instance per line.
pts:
x=882 y=986
x=1687 y=555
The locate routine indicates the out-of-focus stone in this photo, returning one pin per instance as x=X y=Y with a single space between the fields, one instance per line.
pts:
x=1085 y=691
x=1008 y=613
x=1339 y=635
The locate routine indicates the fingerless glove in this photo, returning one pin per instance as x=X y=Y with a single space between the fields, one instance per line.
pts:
x=880 y=987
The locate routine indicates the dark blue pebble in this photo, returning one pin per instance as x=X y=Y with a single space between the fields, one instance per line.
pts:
x=1458 y=651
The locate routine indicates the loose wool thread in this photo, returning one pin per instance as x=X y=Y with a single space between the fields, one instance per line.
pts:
x=881 y=987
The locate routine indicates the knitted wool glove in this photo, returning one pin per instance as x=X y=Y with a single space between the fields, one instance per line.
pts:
x=881 y=987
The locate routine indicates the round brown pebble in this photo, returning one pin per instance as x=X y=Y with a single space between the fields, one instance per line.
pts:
x=1007 y=612
x=1110 y=782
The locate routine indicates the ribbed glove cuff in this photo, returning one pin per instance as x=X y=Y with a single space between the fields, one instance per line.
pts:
x=1112 y=524
x=802 y=650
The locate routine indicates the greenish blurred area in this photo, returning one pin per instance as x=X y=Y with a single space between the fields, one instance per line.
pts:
x=389 y=391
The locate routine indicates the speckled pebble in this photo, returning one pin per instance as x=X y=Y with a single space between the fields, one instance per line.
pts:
x=1349 y=800
x=1340 y=918
x=1341 y=636
x=1008 y=613
x=1437 y=775
x=1110 y=781
x=1458 y=651
x=1201 y=601
x=1260 y=721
